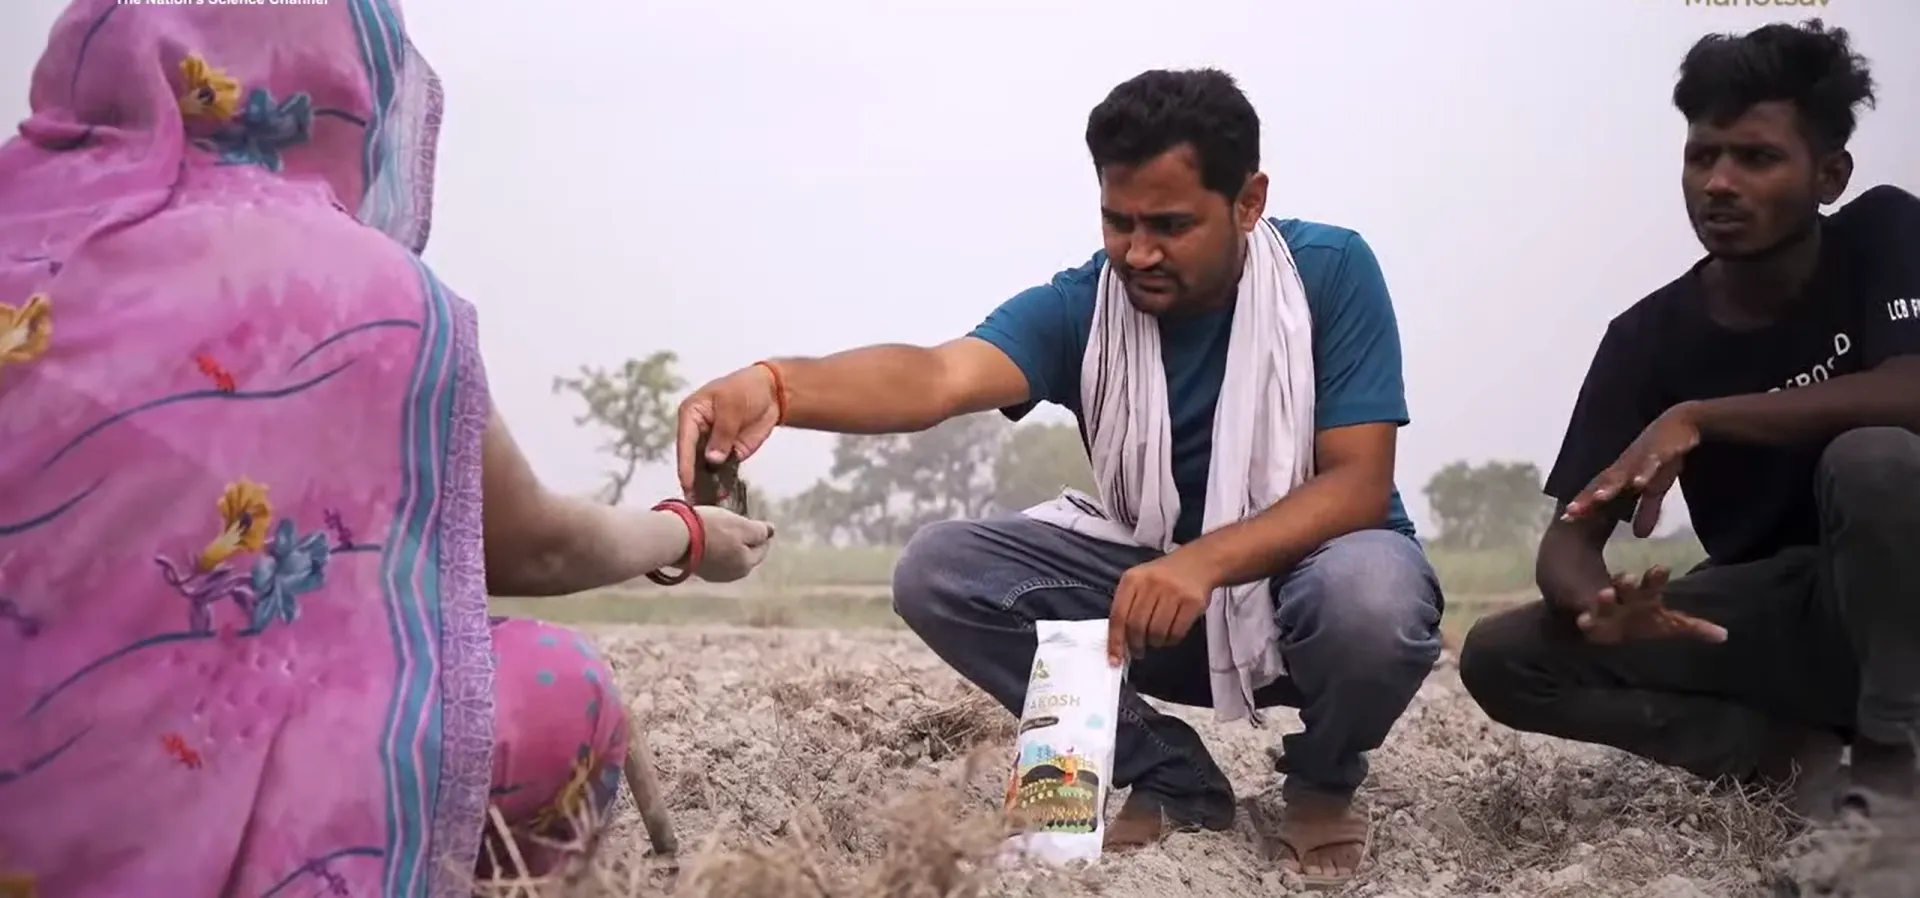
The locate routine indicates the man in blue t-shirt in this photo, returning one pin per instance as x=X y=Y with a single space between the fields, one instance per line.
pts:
x=1357 y=605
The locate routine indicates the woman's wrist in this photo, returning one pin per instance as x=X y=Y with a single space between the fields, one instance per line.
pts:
x=669 y=539
x=696 y=534
x=591 y=546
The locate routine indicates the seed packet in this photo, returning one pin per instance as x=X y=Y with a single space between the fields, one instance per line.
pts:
x=1057 y=796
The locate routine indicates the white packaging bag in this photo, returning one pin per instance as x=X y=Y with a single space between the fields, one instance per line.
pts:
x=1057 y=796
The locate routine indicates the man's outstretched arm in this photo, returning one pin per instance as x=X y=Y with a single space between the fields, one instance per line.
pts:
x=891 y=388
x=895 y=388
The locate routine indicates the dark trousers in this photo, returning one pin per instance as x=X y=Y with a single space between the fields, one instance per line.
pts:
x=1821 y=637
x=1358 y=624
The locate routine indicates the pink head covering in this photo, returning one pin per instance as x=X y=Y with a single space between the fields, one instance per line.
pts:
x=330 y=92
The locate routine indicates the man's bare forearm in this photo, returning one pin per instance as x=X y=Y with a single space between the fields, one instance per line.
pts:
x=587 y=545
x=1571 y=566
x=1887 y=396
x=889 y=388
x=1328 y=506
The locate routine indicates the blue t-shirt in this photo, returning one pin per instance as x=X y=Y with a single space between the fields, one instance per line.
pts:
x=1356 y=353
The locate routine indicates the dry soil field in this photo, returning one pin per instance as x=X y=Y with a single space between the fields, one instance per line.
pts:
x=813 y=763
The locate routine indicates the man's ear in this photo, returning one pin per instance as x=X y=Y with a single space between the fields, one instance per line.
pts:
x=1252 y=202
x=1832 y=176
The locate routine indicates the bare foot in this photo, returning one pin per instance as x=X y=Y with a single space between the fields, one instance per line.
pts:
x=1139 y=823
x=1144 y=818
x=1323 y=837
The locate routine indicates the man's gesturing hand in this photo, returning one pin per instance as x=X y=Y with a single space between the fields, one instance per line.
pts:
x=1635 y=610
x=1155 y=604
x=738 y=412
x=1646 y=469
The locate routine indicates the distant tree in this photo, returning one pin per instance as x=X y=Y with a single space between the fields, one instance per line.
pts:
x=1495 y=505
x=1035 y=462
x=763 y=506
x=884 y=487
x=947 y=471
x=818 y=514
x=635 y=403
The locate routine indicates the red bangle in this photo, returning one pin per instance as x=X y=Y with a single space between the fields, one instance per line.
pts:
x=696 y=541
x=779 y=391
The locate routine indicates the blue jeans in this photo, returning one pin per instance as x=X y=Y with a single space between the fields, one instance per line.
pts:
x=1358 y=621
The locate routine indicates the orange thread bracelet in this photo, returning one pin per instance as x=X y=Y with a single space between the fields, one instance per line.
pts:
x=779 y=391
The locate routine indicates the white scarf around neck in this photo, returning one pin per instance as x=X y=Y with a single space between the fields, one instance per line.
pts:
x=1263 y=431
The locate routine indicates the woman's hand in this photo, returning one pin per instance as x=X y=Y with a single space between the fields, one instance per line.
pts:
x=735 y=545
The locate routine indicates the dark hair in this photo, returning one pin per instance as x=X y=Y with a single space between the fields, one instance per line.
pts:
x=1809 y=65
x=1155 y=111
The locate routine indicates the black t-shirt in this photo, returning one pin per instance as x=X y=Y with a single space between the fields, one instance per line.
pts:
x=1750 y=501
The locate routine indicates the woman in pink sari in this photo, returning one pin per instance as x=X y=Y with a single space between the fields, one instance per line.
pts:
x=244 y=444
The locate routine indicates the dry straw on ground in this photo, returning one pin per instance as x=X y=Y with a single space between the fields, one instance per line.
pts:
x=822 y=764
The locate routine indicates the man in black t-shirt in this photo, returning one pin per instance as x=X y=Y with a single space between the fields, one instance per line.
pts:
x=1778 y=382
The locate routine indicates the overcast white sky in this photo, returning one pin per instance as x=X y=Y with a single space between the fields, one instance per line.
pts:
x=751 y=178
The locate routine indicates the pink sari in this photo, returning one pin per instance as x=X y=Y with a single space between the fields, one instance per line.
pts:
x=244 y=647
